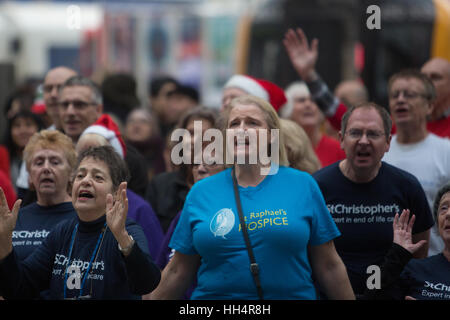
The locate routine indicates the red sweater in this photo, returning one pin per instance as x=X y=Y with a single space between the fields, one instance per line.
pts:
x=329 y=151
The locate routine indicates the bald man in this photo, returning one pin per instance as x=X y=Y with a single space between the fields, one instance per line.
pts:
x=438 y=71
x=351 y=92
x=53 y=80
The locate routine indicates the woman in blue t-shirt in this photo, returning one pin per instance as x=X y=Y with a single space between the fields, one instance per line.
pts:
x=289 y=227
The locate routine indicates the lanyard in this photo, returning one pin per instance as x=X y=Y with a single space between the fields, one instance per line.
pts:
x=94 y=254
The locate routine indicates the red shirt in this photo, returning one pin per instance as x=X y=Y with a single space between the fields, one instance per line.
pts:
x=10 y=194
x=4 y=160
x=440 y=127
x=329 y=151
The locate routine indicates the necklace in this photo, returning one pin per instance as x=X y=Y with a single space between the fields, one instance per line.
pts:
x=91 y=261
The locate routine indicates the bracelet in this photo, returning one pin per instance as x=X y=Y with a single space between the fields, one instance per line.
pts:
x=128 y=248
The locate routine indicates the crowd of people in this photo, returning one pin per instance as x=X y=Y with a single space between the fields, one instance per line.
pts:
x=93 y=205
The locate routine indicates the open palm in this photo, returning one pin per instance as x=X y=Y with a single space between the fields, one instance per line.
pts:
x=116 y=211
x=302 y=56
x=8 y=217
x=403 y=232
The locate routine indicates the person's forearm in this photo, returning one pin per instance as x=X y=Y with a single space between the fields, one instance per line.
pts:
x=321 y=94
x=169 y=287
x=175 y=280
x=143 y=274
x=334 y=280
x=394 y=263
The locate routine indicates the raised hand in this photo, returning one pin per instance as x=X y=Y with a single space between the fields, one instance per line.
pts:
x=302 y=56
x=116 y=211
x=403 y=232
x=8 y=220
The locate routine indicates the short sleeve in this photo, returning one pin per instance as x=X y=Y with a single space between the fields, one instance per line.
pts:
x=182 y=238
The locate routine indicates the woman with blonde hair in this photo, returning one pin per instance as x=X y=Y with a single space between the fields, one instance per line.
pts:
x=266 y=213
x=299 y=150
x=50 y=158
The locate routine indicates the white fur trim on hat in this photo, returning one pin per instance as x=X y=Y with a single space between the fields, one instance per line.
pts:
x=248 y=85
x=295 y=89
x=108 y=135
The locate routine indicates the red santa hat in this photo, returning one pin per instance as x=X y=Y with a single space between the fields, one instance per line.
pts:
x=107 y=128
x=261 y=88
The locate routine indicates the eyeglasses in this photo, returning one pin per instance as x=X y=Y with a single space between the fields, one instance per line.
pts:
x=49 y=87
x=406 y=94
x=370 y=134
x=206 y=166
x=77 y=104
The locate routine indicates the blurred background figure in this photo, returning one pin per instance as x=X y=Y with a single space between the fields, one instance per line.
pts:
x=351 y=92
x=159 y=91
x=21 y=98
x=438 y=71
x=167 y=191
x=142 y=132
x=119 y=94
x=19 y=130
x=52 y=83
x=305 y=112
x=179 y=101
x=299 y=150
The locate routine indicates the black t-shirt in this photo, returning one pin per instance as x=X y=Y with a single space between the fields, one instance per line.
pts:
x=364 y=213
x=112 y=275
x=34 y=224
x=427 y=279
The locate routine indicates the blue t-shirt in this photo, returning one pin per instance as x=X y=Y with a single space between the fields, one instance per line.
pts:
x=364 y=213
x=284 y=214
x=426 y=279
x=34 y=224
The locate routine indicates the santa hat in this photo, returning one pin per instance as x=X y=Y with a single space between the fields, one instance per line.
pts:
x=261 y=88
x=107 y=128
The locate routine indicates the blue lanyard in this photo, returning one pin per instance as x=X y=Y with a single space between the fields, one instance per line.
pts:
x=100 y=237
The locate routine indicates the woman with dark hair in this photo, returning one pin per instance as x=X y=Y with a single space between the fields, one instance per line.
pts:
x=142 y=132
x=19 y=130
x=403 y=277
x=167 y=191
x=99 y=254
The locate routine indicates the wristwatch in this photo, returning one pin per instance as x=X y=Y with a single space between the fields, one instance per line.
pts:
x=125 y=251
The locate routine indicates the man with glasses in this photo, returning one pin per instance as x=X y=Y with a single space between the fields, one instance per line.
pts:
x=53 y=81
x=80 y=105
x=413 y=148
x=363 y=194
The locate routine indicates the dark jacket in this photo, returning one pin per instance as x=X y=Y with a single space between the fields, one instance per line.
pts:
x=166 y=193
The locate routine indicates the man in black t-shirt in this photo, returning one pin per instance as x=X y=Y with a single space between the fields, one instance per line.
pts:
x=363 y=194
